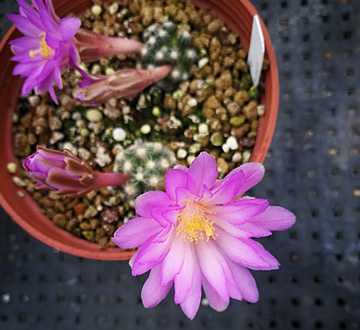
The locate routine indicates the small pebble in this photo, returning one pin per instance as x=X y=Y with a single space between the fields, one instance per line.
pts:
x=203 y=62
x=113 y=8
x=94 y=116
x=145 y=129
x=11 y=167
x=232 y=143
x=203 y=128
x=192 y=102
x=216 y=139
x=246 y=156
x=194 y=148
x=109 y=71
x=225 y=147
x=236 y=158
x=119 y=134
x=84 y=132
x=20 y=194
x=260 y=110
x=181 y=153
x=190 y=159
x=96 y=10
x=20 y=183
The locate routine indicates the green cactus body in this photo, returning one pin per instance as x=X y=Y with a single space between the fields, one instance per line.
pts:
x=164 y=45
x=146 y=164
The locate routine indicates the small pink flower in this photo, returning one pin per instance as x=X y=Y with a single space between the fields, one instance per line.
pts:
x=198 y=234
x=63 y=172
x=47 y=47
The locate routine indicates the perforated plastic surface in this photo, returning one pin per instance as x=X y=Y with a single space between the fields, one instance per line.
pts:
x=313 y=169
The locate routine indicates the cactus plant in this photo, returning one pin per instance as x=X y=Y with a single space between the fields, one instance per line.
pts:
x=167 y=45
x=146 y=164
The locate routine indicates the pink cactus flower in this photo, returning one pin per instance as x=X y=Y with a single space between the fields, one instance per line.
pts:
x=47 y=47
x=63 y=172
x=198 y=234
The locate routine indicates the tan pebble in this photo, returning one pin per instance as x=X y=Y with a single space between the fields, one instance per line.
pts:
x=60 y=220
x=94 y=116
x=250 y=110
x=241 y=97
x=20 y=194
x=215 y=48
x=20 y=183
x=96 y=10
x=215 y=26
x=222 y=165
x=212 y=103
x=11 y=167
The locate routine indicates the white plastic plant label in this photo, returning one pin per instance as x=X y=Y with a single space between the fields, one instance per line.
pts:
x=256 y=51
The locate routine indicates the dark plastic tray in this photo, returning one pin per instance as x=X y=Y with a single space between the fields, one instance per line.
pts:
x=313 y=168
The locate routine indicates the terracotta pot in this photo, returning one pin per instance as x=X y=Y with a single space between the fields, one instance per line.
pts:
x=238 y=16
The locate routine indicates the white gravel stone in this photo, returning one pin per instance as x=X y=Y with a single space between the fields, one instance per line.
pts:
x=96 y=10
x=225 y=147
x=203 y=128
x=236 y=158
x=181 y=153
x=232 y=142
x=119 y=134
x=145 y=129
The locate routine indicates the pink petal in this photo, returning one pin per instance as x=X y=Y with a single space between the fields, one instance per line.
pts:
x=191 y=303
x=254 y=173
x=202 y=171
x=171 y=214
x=145 y=202
x=210 y=262
x=245 y=282
x=174 y=179
x=226 y=191
x=184 y=279
x=252 y=230
x=135 y=232
x=153 y=292
x=216 y=301
x=184 y=195
x=265 y=255
x=243 y=252
x=24 y=25
x=240 y=211
x=68 y=27
x=173 y=262
x=151 y=254
x=274 y=218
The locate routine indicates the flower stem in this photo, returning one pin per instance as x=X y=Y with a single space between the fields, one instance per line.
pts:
x=110 y=179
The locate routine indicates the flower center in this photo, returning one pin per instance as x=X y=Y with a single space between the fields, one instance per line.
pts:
x=44 y=49
x=193 y=223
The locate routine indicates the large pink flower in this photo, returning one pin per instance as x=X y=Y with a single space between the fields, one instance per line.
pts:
x=199 y=234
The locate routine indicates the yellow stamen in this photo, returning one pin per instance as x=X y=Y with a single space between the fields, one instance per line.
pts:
x=44 y=49
x=193 y=223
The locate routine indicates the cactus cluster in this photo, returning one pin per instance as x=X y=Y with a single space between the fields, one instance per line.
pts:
x=165 y=44
x=146 y=164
